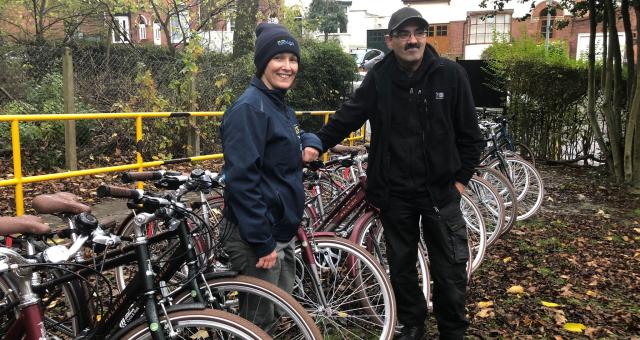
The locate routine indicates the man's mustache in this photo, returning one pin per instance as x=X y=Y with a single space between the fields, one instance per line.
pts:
x=408 y=46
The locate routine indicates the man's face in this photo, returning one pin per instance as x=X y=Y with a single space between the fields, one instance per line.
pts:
x=408 y=43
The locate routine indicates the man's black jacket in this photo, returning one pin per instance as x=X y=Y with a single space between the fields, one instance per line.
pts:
x=440 y=94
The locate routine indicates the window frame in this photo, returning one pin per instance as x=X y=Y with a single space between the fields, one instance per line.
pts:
x=124 y=25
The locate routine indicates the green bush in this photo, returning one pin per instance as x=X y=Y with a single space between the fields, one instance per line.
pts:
x=117 y=78
x=43 y=141
x=546 y=93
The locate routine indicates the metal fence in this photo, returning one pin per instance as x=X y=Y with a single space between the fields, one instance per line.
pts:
x=142 y=136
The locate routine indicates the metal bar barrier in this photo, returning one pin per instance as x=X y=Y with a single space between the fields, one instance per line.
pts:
x=18 y=180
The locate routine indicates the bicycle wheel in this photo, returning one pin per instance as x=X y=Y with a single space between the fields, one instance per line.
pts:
x=507 y=192
x=370 y=236
x=199 y=324
x=527 y=183
x=293 y=321
x=63 y=314
x=345 y=290
x=491 y=206
x=519 y=150
x=161 y=251
x=476 y=233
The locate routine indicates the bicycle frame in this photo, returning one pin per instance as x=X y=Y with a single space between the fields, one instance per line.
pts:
x=125 y=308
x=353 y=200
x=28 y=324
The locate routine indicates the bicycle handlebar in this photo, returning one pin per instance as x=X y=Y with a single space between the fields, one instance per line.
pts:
x=119 y=192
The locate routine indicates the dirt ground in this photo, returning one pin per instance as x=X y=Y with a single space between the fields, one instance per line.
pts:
x=577 y=262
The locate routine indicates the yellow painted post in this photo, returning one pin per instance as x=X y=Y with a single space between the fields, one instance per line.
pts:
x=325 y=157
x=17 y=165
x=138 y=154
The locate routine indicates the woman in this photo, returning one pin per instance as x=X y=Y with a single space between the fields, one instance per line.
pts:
x=264 y=150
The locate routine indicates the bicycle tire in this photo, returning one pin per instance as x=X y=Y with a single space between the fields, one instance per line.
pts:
x=215 y=320
x=527 y=183
x=491 y=206
x=504 y=187
x=476 y=233
x=368 y=233
x=250 y=285
x=355 y=271
x=520 y=150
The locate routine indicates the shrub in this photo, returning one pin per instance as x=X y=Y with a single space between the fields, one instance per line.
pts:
x=546 y=91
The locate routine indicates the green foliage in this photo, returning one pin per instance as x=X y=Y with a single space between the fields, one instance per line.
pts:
x=546 y=90
x=43 y=142
x=117 y=78
x=328 y=16
x=324 y=80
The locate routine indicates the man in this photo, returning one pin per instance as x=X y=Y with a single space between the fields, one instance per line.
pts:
x=425 y=144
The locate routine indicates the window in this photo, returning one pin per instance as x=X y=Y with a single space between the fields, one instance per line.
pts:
x=483 y=28
x=437 y=31
x=120 y=33
x=156 y=34
x=142 y=28
x=543 y=22
x=179 y=26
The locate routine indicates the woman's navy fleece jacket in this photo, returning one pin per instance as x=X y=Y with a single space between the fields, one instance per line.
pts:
x=262 y=147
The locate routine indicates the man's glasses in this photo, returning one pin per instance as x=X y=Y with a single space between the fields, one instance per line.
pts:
x=405 y=35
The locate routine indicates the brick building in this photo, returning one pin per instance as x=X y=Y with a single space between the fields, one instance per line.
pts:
x=137 y=27
x=459 y=29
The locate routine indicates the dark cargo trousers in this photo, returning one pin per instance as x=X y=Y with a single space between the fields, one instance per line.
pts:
x=445 y=235
x=243 y=260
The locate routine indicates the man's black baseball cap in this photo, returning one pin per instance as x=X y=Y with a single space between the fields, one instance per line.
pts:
x=403 y=15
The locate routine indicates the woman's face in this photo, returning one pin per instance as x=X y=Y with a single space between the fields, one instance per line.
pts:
x=280 y=71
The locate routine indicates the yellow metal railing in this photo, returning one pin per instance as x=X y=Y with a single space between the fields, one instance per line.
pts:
x=18 y=180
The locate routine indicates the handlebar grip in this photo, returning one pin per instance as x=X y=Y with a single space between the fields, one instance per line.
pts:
x=118 y=192
x=130 y=177
x=315 y=165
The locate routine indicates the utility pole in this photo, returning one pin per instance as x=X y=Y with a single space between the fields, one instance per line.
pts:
x=548 y=30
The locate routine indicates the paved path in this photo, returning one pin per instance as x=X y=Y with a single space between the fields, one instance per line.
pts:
x=108 y=209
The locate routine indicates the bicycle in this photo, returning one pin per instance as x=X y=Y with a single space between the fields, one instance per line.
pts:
x=220 y=286
x=30 y=323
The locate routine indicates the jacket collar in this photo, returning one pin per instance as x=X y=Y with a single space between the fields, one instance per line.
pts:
x=276 y=95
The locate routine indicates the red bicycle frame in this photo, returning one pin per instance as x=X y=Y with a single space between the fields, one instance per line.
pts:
x=29 y=324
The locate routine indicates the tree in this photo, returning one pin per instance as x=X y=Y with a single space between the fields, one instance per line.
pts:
x=621 y=143
x=244 y=33
x=328 y=16
x=179 y=20
x=43 y=16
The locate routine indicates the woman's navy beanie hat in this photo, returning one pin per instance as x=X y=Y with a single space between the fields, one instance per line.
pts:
x=272 y=39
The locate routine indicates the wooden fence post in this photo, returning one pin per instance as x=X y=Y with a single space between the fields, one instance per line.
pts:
x=71 y=159
x=193 y=132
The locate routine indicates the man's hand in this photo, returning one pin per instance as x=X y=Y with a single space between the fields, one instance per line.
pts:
x=460 y=187
x=310 y=154
x=267 y=261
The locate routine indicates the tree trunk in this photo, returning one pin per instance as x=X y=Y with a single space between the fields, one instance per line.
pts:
x=632 y=137
x=164 y=26
x=591 y=87
x=39 y=10
x=611 y=97
x=628 y=36
x=605 y=47
x=244 y=36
